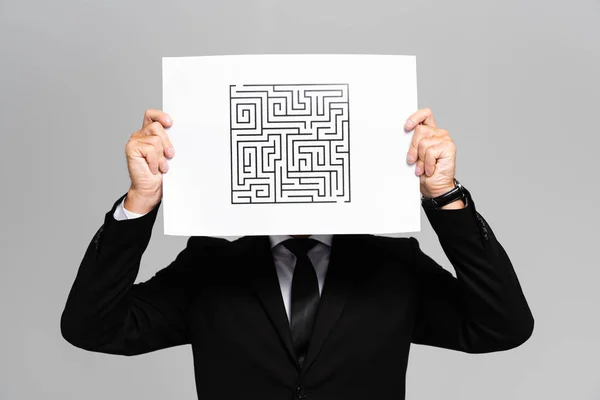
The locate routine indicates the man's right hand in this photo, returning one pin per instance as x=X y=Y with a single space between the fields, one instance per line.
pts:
x=147 y=152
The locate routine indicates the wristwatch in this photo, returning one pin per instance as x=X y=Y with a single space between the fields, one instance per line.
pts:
x=459 y=192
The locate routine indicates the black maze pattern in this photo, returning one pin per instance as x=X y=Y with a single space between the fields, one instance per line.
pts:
x=290 y=143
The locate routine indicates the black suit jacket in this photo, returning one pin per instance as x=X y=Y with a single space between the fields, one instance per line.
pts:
x=223 y=298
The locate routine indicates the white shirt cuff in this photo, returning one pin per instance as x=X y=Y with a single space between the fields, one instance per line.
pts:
x=121 y=213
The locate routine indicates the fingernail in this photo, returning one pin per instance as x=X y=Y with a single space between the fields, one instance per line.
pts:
x=168 y=119
x=408 y=124
x=165 y=166
x=410 y=158
x=170 y=151
x=417 y=171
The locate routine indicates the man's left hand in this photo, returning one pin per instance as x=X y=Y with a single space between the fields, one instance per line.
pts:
x=434 y=152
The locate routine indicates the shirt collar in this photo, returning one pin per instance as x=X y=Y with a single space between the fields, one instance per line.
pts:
x=325 y=239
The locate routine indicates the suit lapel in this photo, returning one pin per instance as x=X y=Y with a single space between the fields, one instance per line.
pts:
x=342 y=273
x=339 y=283
x=265 y=285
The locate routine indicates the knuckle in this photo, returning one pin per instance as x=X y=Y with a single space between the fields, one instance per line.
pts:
x=152 y=140
x=155 y=140
x=136 y=135
x=443 y=132
x=155 y=127
x=131 y=145
x=427 y=111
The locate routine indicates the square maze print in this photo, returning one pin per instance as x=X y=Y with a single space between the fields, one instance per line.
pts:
x=290 y=143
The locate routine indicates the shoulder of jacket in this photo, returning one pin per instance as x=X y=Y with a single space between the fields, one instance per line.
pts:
x=207 y=242
x=387 y=241
x=386 y=246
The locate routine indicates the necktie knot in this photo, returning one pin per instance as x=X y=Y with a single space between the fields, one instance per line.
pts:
x=301 y=246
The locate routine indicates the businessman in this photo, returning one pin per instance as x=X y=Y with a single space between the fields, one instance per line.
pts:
x=298 y=317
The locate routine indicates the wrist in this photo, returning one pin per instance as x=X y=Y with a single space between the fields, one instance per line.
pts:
x=140 y=203
x=437 y=193
x=450 y=199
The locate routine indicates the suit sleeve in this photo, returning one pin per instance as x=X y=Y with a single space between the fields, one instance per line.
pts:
x=483 y=309
x=106 y=312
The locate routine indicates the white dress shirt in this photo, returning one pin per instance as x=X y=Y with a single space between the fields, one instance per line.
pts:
x=284 y=260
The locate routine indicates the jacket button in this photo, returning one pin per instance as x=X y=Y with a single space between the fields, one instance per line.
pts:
x=300 y=393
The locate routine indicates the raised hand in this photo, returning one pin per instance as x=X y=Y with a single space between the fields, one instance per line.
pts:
x=147 y=153
x=434 y=152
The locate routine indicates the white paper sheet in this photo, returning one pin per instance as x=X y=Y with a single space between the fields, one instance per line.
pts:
x=290 y=144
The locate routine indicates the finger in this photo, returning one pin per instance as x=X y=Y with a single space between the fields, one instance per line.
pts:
x=435 y=153
x=148 y=151
x=156 y=129
x=421 y=132
x=155 y=141
x=152 y=115
x=422 y=116
x=163 y=164
x=426 y=144
x=419 y=168
x=431 y=156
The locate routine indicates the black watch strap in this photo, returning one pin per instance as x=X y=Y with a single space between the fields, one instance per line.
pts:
x=458 y=193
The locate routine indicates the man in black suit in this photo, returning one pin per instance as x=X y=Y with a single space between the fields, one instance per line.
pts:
x=318 y=317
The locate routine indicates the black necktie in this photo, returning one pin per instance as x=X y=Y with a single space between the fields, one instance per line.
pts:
x=305 y=295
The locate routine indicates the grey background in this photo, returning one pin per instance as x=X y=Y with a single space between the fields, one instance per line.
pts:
x=516 y=84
